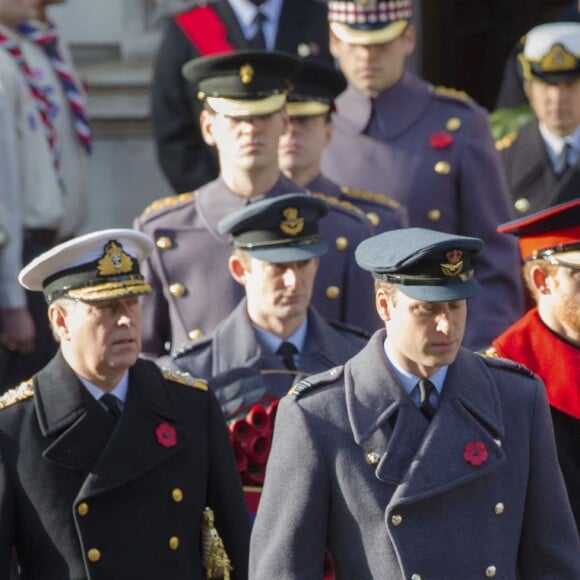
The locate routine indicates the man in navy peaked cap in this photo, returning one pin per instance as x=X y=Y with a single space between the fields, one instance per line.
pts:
x=416 y=451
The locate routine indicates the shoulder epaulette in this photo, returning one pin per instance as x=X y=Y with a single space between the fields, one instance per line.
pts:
x=371 y=196
x=192 y=345
x=184 y=378
x=169 y=201
x=346 y=205
x=506 y=364
x=506 y=141
x=452 y=93
x=22 y=392
x=315 y=381
x=351 y=328
x=490 y=352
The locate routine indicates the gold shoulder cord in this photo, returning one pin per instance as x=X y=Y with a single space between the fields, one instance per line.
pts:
x=215 y=559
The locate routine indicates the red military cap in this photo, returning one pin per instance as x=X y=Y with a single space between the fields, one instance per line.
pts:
x=552 y=234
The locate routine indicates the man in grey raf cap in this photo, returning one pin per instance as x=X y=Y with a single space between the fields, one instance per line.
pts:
x=430 y=148
x=107 y=465
x=417 y=458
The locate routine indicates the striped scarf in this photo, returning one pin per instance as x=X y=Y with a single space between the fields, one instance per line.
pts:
x=47 y=38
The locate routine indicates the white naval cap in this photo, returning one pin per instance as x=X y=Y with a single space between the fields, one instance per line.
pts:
x=97 y=266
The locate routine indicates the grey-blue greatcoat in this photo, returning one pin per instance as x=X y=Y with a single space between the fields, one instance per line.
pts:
x=234 y=344
x=530 y=175
x=455 y=185
x=72 y=482
x=185 y=159
x=193 y=289
x=356 y=467
x=383 y=212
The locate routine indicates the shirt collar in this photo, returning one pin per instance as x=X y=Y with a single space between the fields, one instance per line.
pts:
x=409 y=381
x=120 y=390
x=555 y=144
x=245 y=12
x=273 y=342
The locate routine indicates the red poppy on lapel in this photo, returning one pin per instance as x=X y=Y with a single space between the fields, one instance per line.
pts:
x=475 y=453
x=166 y=435
x=440 y=140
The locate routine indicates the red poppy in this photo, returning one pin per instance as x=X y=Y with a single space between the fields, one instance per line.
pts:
x=166 y=435
x=475 y=453
x=440 y=140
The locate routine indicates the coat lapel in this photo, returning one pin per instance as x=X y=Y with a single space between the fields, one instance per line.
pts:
x=135 y=446
x=419 y=457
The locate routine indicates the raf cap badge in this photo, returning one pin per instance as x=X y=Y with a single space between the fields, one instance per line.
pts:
x=293 y=224
x=455 y=264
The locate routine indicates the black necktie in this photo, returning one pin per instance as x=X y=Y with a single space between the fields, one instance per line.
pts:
x=288 y=350
x=112 y=403
x=563 y=160
x=426 y=387
x=258 y=41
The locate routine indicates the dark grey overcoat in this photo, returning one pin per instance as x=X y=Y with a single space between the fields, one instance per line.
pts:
x=357 y=468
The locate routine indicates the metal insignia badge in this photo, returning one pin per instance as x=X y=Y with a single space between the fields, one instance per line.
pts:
x=246 y=74
x=455 y=264
x=293 y=224
x=558 y=59
x=114 y=260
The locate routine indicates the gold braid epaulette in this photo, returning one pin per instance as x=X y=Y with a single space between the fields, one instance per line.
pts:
x=449 y=92
x=341 y=203
x=490 y=352
x=371 y=196
x=20 y=393
x=506 y=141
x=184 y=378
x=169 y=201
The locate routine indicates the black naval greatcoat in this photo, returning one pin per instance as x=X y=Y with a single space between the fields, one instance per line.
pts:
x=531 y=179
x=185 y=159
x=84 y=497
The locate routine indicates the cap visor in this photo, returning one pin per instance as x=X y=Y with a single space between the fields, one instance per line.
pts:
x=377 y=36
x=442 y=293
x=307 y=108
x=239 y=108
x=278 y=255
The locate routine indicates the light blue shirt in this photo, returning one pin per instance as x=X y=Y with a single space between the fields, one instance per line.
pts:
x=273 y=342
x=120 y=390
x=555 y=144
x=246 y=11
x=409 y=381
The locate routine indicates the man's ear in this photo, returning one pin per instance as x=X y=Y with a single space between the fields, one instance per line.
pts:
x=539 y=280
x=57 y=315
x=383 y=304
x=333 y=44
x=206 y=120
x=410 y=35
x=237 y=269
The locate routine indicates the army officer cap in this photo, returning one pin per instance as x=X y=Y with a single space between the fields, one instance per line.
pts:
x=369 y=21
x=551 y=53
x=245 y=83
x=314 y=89
x=279 y=230
x=552 y=234
x=423 y=264
x=102 y=265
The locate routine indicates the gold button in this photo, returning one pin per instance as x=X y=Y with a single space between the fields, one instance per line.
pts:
x=453 y=124
x=373 y=218
x=333 y=292
x=341 y=243
x=303 y=50
x=173 y=543
x=94 y=555
x=195 y=333
x=373 y=458
x=499 y=509
x=434 y=215
x=83 y=509
x=177 y=290
x=164 y=243
x=396 y=519
x=177 y=495
x=416 y=577
x=522 y=205
x=442 y=168
x=490 y=571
